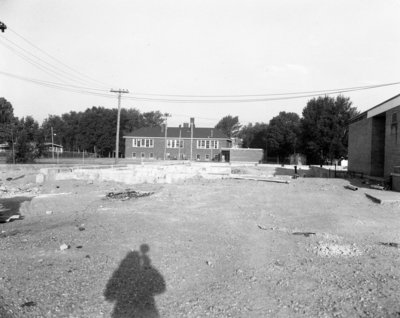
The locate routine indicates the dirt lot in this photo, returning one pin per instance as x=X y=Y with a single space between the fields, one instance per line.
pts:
x=216 y=248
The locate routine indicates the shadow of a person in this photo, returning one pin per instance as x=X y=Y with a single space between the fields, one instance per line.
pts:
x=133 y=285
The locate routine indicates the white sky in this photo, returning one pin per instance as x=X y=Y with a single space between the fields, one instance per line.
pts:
x=201 y=47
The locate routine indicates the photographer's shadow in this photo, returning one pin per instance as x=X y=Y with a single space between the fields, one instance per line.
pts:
x=133 y=285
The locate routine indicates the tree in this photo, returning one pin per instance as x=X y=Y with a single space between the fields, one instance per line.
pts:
x=7 y=120
x=324 y=127
x=131 y=119
x=283 y=134
x=24 y=134
x=152 y=119
x=71 y=128
x=94 y=130
x=254 y=136
x=55 y=124
x=6 y=111
x=229 y=125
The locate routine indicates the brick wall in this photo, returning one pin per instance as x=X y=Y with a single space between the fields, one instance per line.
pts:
x=378 y=146
x=392 y=142
x=158 y=150
x=360 y=146
x=246 y=155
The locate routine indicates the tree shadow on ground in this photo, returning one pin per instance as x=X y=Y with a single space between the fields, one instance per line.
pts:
x=133 y=285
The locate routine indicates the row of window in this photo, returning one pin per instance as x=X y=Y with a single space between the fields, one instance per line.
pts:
x=207 y=144
x=151 y=156
x=143 y=142
x=142 y=155
x=175 y=143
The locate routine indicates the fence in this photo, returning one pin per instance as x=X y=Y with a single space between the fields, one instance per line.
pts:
x=68 y=154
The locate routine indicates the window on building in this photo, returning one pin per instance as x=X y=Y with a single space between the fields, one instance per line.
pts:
x=133 y=155
x=174 y=143
x=142 y=143
x=198 y=157
x=207 y=144
x=142 y=154
x=207 y=157
x=151 y=155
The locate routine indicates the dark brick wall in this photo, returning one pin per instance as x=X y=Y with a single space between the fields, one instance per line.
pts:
x=392 y=142
x=378 y=146
x=360 y=146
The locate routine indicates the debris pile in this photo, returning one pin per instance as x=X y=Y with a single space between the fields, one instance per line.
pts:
x=128 y=194
x=8 y=191
x=390 y=244
x=334 y=250
x=10 y=218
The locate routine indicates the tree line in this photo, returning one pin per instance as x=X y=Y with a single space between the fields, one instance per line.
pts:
x=93 y=130
x=321 y=133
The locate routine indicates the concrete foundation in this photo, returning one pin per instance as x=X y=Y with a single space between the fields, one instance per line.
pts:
x=134 y=174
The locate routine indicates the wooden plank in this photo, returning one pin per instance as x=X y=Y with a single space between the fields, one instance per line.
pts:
x=256 y=178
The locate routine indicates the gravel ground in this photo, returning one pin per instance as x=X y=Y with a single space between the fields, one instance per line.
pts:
x=200 y=248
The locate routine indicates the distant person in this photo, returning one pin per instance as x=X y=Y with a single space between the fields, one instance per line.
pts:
x=133 y=285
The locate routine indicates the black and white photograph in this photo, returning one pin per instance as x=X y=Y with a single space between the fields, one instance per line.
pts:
x=199 y=158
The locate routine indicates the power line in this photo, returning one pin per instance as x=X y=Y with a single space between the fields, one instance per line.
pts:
x=41 y=63
x=288 y=96
x=51 y=83
x=59 y=86
x=58 y=61
x=33 y=62
x=272 y=94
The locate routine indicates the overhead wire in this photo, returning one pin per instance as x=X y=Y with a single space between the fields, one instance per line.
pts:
x=41 y=63
x=59 y=86
x=52 y=83
x=93 y=80
x=272 y=94
x=33 y=62
x=285 y=96
x=169 y=98
x=180 y=98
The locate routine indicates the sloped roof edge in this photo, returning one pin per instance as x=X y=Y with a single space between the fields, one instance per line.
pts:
x=370 y=112
x=175 y=132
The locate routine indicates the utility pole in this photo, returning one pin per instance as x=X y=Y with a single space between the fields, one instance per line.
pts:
x=179 y=142
x=191 y=142
x=211 y=145
x=166 y=115
x=52 y=142
x=13 y=148
x=120 y=92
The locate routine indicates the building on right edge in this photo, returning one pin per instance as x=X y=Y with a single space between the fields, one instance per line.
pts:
x=374 y=142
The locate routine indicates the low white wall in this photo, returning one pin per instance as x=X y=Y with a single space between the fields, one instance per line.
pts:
x=134 y=174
